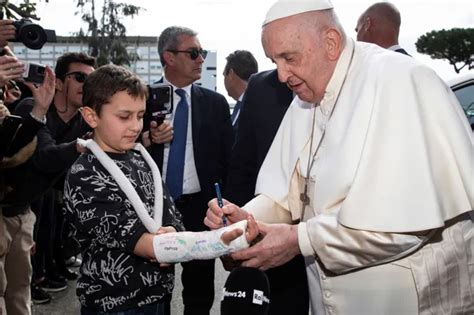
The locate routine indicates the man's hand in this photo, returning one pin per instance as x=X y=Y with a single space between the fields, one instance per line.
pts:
x=10 y=69
x=43 y=94
x=4 y=112
x=278 y=246
x=162 y=133
x=214 y=214
x=7 y=32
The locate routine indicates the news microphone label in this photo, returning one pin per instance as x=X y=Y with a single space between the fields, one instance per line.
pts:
x=257 y=297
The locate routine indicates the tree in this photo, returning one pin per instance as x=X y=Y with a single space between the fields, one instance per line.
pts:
x=25 y=9
x=456 y=45
x=106 y=37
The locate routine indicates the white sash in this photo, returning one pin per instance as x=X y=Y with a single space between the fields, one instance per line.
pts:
x=151 y=224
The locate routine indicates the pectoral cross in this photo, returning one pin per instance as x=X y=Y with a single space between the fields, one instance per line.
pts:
x=304 y=196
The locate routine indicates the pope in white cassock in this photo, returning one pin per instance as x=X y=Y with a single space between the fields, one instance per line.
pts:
x=370 y=176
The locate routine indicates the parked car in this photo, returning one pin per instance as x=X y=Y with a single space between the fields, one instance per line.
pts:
x=463 y=88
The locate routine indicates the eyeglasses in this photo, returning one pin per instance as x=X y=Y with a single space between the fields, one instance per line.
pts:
x=79 y=76
x=194 y=53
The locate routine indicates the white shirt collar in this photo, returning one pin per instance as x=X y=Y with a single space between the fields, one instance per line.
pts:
x=394 y=47
x=186 y=88
x=337 y=78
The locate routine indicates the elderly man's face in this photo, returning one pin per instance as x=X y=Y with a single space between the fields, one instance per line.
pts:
x=299 y=55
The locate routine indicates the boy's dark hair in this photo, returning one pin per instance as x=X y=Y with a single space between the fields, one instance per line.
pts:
x=243 y=63
x=108 y=80
x=63 y=62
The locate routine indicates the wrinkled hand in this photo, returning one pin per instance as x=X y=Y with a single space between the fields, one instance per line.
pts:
x=7 y=32
x=278 y=246
x=162 y=133
x=10 y=69
x=214 y=213
x=250 y=234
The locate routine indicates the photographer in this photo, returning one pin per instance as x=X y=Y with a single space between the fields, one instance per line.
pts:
x=57 y=150
x=16 y=218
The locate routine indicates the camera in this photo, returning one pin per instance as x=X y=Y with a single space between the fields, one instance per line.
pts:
x=160 y=101
x=34 y=72
x=32 y=35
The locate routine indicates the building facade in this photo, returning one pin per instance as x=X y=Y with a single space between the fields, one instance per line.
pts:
x=147 y=66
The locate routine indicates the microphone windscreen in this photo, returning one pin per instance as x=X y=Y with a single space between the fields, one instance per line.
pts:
x=246 y=292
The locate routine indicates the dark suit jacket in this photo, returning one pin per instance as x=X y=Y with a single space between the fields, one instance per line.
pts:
x=212 y=139
x=264 y=104
x=402 y=51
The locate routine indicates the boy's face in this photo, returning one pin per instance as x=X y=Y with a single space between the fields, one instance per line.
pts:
x=119 y=124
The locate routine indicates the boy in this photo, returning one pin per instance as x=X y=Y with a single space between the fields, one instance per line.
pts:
x=110 y=193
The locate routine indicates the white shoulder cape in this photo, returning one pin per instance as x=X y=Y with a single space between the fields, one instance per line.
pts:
x=398 y=155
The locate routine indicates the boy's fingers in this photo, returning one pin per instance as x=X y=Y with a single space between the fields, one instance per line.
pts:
x=252 y=229
x=229 y=236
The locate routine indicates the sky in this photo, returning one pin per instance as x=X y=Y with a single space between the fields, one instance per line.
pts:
x=228 y=25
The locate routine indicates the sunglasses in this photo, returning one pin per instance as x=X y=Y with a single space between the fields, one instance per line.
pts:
x=79 y=76
x=12 y=85
x=194 y=53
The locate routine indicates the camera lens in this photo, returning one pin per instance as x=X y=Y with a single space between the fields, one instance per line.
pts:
x=32 y=36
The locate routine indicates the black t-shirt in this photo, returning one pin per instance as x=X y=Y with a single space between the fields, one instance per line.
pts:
x=105 y=223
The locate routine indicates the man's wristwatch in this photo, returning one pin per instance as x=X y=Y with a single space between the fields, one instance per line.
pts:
x=43 y=121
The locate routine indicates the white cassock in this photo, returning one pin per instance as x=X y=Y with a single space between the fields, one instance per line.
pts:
x=397 y=160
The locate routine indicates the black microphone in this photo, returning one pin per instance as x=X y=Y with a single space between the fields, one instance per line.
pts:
x=246 y=291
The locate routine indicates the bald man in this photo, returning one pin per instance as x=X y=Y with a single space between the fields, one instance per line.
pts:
x=380 y=25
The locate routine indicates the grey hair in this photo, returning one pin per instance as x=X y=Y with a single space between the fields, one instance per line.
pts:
x=330 y=19
x=169 y=39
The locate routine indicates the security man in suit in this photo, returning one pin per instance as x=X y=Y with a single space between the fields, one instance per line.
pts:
x=241 y=64
x=264 y=105
x=380 y=25
x=192 y=150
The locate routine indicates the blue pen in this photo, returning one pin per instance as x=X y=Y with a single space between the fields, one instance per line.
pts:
x=220 y=202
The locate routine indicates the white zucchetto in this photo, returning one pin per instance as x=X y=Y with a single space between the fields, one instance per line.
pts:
x=285 y=8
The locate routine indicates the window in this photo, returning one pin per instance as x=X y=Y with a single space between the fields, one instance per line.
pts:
x=47 y=52
x=60 y=50
x=155 y=67
x=33 y=53
x=141 y=67
x=19 y=50
x=465 y=94
x=154 y=53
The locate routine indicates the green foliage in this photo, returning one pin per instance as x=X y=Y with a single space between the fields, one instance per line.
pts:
x=106 y=36
x=455 y=45
x=26 y=9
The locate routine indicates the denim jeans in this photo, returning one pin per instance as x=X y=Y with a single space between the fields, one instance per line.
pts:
x=151 y=309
